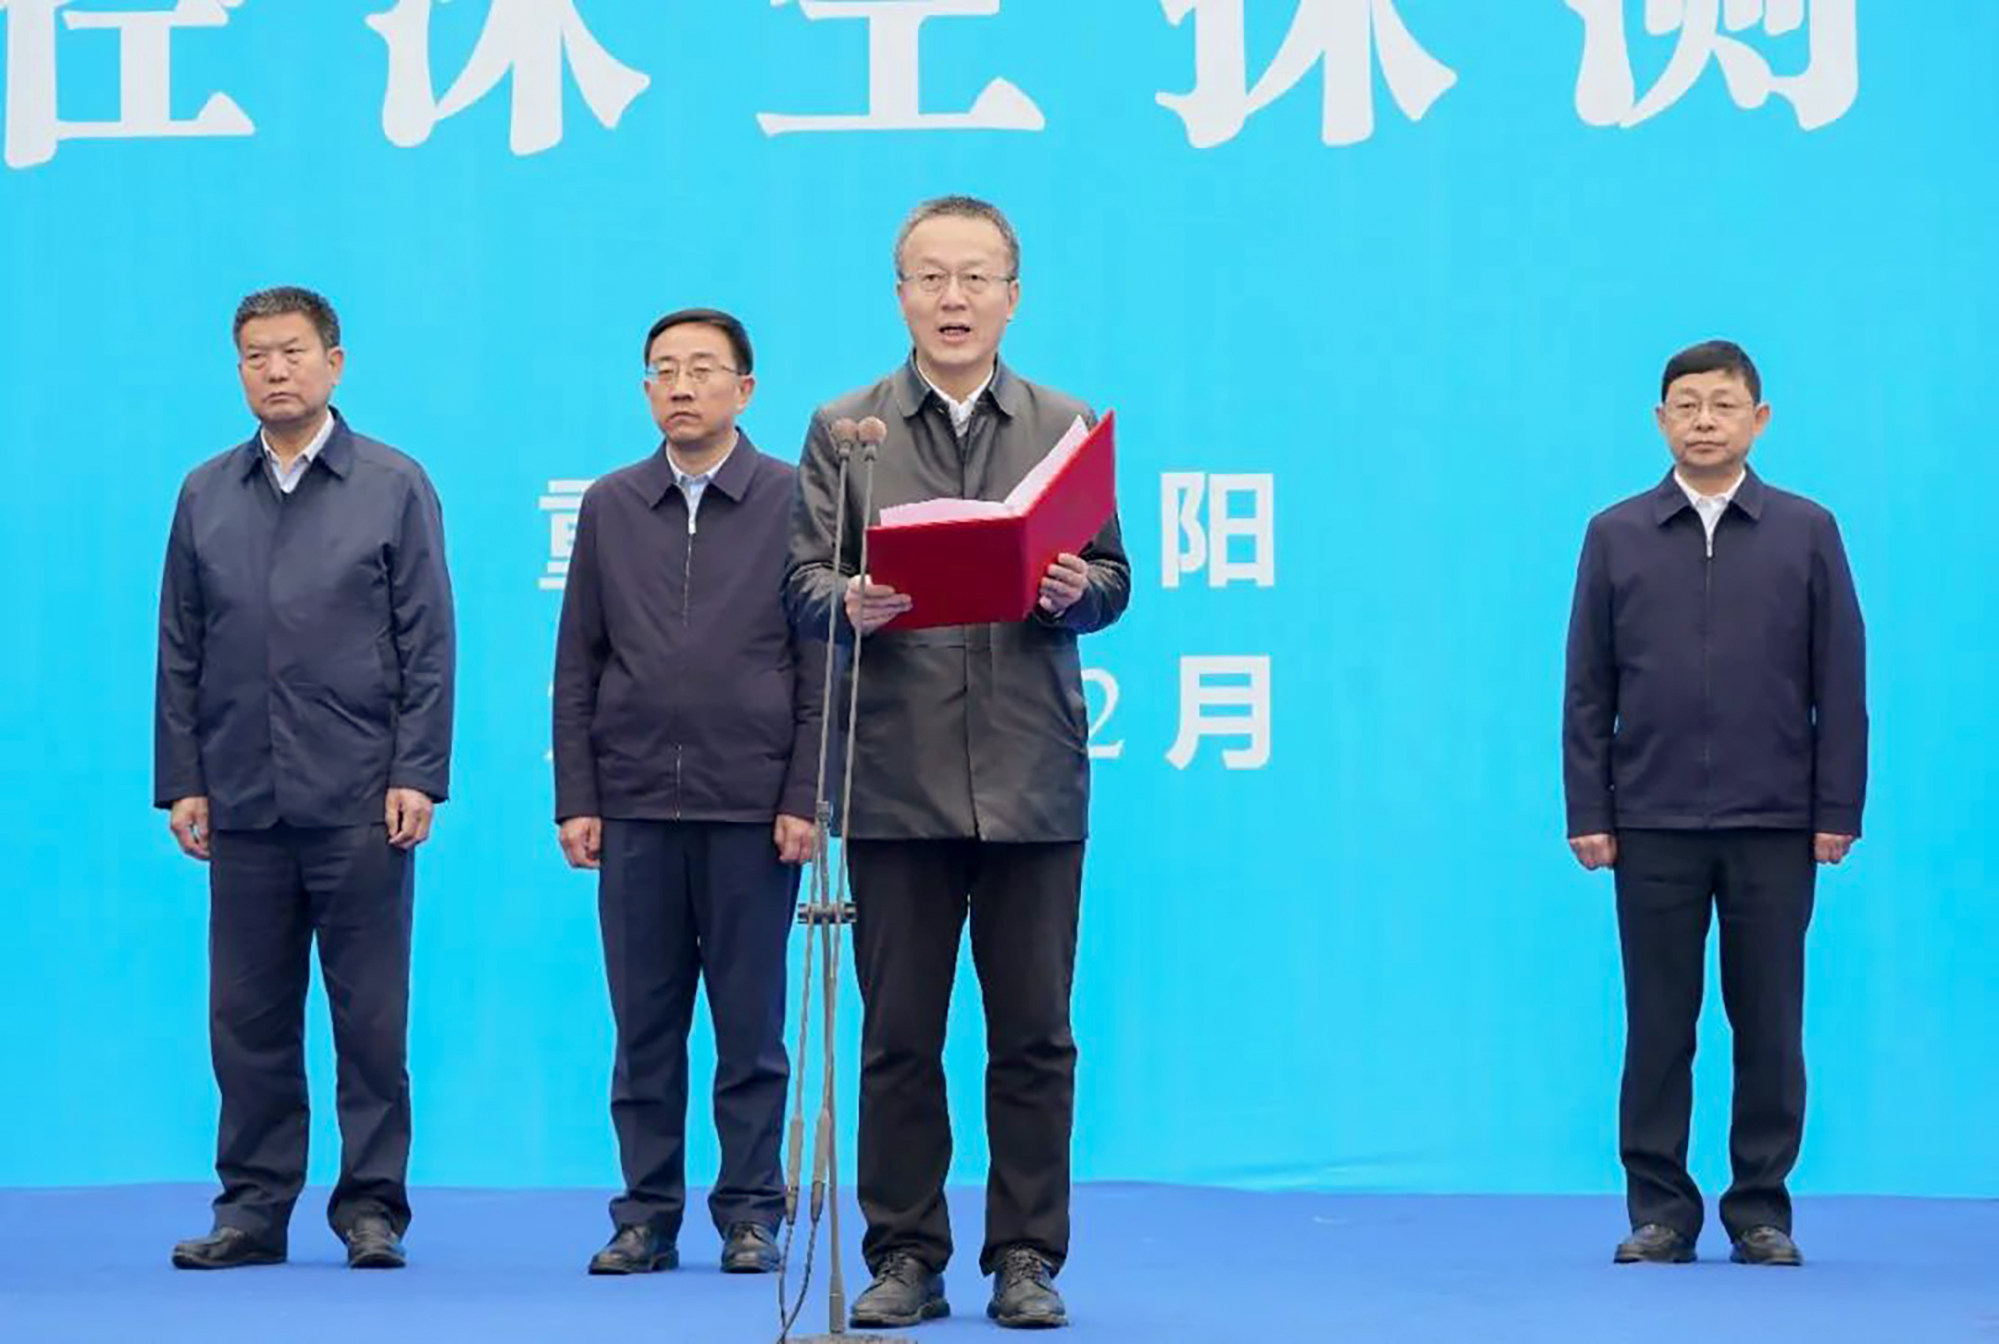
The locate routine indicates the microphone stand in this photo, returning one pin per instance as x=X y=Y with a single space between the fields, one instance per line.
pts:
x=824 y=915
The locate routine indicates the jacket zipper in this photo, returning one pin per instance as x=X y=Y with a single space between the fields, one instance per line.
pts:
x=686 y=622
x=1707 y=676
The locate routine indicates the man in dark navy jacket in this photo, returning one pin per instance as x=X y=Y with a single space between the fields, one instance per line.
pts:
x=302 y=735
x=1714 y=743
x=686 y=750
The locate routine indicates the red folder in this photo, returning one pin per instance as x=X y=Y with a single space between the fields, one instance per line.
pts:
x=977 y=561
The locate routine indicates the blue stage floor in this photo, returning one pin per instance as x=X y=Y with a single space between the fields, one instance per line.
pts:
x=1152 y=1265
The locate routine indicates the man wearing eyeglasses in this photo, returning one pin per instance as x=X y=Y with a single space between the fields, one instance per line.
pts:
x=686 y=744
x=302 y=737
x=971 y=787
x=1714 y=743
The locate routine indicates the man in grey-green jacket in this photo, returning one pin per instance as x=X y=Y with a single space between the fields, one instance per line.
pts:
x=971 y=786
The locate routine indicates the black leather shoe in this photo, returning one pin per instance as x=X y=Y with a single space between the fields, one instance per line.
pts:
x=1024 y=1296
x=226 y=1248
x=904 y=1292
x=635 y=1250
x=749 y=1248
x=372 y=1244
x=1655 y=1244
x=1766 y=1246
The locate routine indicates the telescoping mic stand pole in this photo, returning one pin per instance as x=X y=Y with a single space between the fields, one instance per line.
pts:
x=824 y=914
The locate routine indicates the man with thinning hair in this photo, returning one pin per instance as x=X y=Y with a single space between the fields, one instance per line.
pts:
x=971 y=786
x=302 y=736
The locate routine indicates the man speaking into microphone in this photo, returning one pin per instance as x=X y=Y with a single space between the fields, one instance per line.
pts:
x=970 y=786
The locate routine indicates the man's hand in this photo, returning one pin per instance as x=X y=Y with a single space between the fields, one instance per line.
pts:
x=1829 y=848
x=870 y=606
x=1065 y=583
x=1594 y=851
x=188 y=820
x=582 y=841
x=407 y=812
x=794 y=837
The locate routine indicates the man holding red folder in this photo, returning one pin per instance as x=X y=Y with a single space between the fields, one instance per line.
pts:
x=971 y=786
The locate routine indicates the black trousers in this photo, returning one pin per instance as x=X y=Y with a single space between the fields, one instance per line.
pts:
x=1762 y=884
x=911 y=901
x=270 y=893
x=681 y=904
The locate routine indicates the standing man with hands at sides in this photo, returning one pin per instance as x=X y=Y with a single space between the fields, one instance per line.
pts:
x=971 y=787
x=1714 y=743
x=686 y=745
x=302 y=736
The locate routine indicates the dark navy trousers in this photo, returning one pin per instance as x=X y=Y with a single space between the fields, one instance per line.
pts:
x=271 y=893
x=685 y=903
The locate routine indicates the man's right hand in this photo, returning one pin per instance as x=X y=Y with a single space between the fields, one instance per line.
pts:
x=188 y=820
x=870 y=606
x=582 y=841
x=1594 y=851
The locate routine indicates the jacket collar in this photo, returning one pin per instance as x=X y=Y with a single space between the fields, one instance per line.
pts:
x=912 y=390
x=337 y=455
x=656 y=481
x=1668 y=499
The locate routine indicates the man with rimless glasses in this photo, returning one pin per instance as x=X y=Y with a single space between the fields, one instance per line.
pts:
x=1714 y=743
x=971 y=787
x=686 y=743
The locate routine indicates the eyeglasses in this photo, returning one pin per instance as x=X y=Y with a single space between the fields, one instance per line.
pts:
x=970 y=283
x=699 y=374
x=1724 y=407
x=261 y=357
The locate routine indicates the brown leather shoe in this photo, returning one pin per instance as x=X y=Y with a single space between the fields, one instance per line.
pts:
x=1655 y=1244
x=1766 y=1246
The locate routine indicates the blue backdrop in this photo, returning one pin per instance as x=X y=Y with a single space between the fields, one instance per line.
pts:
x=1348 y=951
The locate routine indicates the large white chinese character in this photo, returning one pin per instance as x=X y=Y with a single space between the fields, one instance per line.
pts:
x=562 y=503
x=1343 y=35
x=1104 y=681
x=1821 y=93
x=1245 y=694
x=530 y=39
x=1188 y=543
x=145 y=78
x=893 y=29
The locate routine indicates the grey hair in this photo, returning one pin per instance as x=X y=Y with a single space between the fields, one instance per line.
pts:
x=961 y=207
x=290 y=299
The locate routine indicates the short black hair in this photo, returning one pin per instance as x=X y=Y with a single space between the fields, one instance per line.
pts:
x=289 y=299
x=726 y=323
x=961 y=207
x=1713 y=357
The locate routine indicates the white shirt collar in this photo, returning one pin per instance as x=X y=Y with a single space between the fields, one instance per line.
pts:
x=961 y=411
x=692 y=488
x=287 y=477
x=683 y=480
x=1717 y=502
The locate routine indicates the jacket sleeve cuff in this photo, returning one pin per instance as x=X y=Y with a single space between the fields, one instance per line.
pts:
x=1592 y=821
x=1829 y=819
x=433 y=787
x=798 y=798
x=171 y=791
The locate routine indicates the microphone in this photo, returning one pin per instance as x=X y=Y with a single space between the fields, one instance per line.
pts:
x=845 y=433
x=823 y=915
x=872 y=434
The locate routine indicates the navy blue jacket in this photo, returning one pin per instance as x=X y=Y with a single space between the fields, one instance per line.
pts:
x=681 y=693
x=1723 y=691
x=306 y=640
